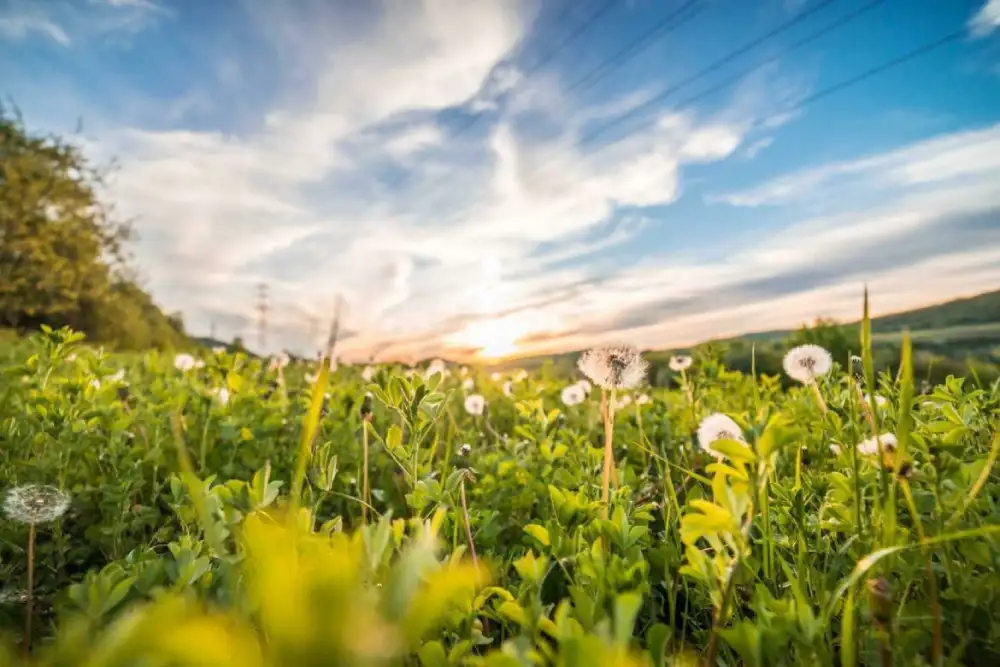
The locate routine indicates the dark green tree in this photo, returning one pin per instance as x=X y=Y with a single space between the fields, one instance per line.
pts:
x=62 y=249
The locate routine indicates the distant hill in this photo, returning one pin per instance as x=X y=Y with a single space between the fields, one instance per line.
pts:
x=982 y=309
x=957 y=328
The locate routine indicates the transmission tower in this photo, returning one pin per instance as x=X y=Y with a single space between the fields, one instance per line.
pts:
x=262 y=308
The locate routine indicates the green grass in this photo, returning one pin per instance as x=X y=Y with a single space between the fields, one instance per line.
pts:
x=270 y=545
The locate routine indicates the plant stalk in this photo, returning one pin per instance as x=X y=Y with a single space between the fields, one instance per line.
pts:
x=26 y=640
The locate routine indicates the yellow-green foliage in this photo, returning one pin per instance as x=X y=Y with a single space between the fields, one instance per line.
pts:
x=216 y=517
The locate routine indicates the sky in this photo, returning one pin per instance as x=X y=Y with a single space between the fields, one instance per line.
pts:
x=505 y=177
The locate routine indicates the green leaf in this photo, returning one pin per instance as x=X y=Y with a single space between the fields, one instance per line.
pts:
x=432 y=654
x=540 y=533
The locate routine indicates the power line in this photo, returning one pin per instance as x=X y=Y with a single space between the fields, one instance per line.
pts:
x=602 y=9
x=262 y=309
x=829 y=90
x=724 y=60
x=665 y=26
x=746 y=71
x=729 y=58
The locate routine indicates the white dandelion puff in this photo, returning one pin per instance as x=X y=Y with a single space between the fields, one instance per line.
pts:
x=495 y=376
x=586 y=386
x=718 y=427
x=15 y=596
x=869 y=447
x=573 y=395
x=277 y=362
x=468 y=384
x=614 y=367
x=437 y=367
x=835 y=449
x=465 y=450
x=95 y=383
x=223 y=395
x=642 y=399
x=184 y=362
x=521 y=375
x=680 y=362
x=475 y=404
x=805 y=363
x=508 y=388
x=219 y=349
x=119 y=376
x=368 y=373
x=35 y=503
x=623 y=402
x=880 y=400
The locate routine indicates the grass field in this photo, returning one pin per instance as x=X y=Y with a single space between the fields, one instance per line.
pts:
x=227 y=510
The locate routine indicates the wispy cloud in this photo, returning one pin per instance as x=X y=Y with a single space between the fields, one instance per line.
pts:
x=70 y=22
x=986 y=20
x=21 y=26
x=974 y=154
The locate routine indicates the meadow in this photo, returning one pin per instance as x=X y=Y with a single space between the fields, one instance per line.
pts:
x=220 y=509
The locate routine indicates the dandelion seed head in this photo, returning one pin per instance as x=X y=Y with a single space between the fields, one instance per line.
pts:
x=468 y=384
x=586 y=386
x=437 y=366
x=680 y=362
x=183 y=362
x=805 y=363
x=495 y=376
x=508 y=388
x=718 y=427
x=35 y=503
x=614 y=367
x=223 y=395
x=642 y=399
x=835 y=449
x=869 y=447
x=475 y=404
x=13 y=596
x=880 y=400
x=277 y=362
x=521 y=375
x=219 y=349
x=368 y=373
x=465 y=449
x=573 y=395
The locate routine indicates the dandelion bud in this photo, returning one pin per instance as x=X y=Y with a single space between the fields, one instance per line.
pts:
x=858 y=368
x=366 y=407
x=880 y=600
x=123 y=394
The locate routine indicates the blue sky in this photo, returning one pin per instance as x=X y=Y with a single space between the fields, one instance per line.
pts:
x=467 y=176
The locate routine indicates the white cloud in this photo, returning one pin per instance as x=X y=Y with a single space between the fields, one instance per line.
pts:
x=20 y=27
x=962 y=155
x=986 y=20
x=70 y=22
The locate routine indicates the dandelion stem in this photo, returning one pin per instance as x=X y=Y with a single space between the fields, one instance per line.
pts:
x=866 y=409
x=26 y=640
x=364 y=470
x=819 y=396
x=929 y=570
x=608 y=405
x=468 y=523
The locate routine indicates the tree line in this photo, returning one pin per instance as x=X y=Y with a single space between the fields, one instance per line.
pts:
x=63 y=250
